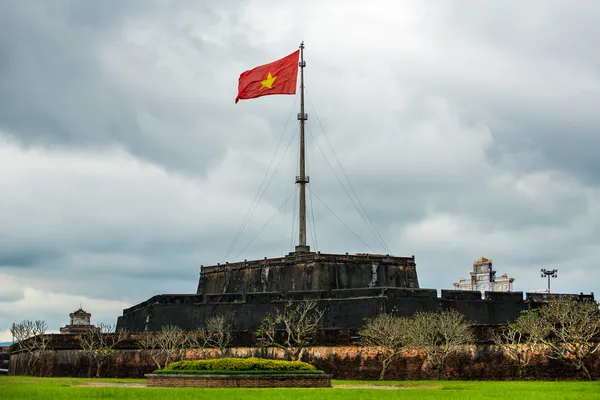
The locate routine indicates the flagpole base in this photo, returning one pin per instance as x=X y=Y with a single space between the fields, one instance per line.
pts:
x=302 y=249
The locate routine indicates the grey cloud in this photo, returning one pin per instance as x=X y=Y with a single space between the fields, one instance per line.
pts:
x=542 y=56
x=11 y=294
x=468 y=132
x=57 y=90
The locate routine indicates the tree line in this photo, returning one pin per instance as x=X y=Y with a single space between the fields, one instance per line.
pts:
x=101 y=343
x=564 y=329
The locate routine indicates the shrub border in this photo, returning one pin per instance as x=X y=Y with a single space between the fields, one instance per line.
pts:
x=240 y=364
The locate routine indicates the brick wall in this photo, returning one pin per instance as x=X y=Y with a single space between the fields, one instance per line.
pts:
x=234 y=381
x=480 y=362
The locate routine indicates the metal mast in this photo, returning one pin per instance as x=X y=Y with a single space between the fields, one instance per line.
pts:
x=302 y=179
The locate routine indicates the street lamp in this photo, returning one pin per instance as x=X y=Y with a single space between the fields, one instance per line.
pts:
x=549 y=273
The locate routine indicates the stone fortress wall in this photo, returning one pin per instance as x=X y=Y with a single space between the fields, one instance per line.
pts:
x=344 y=308
x=349 y=288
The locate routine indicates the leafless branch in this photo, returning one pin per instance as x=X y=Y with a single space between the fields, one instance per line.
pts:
x=215 y=333
x=298 y=321
x=438 y=335
x=384 y=332
x=33 y=340
x=522 y=339
x=166 y=345
x=149 y=343
x=99 y=345
x=574 y=330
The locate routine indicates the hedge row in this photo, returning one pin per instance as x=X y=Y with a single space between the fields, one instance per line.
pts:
x=252 y=372
x=239 y=364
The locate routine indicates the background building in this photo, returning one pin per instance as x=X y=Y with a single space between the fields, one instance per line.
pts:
x=80 y=322
x=483 y=278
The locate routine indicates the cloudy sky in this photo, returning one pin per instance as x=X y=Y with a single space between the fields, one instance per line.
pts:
x=466 y=129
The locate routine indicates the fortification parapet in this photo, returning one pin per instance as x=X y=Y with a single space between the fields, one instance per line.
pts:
x=309 y=271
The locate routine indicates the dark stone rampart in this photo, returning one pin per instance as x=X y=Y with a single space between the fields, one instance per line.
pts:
x=309 y=271
x=344 y=309
x=349 y=288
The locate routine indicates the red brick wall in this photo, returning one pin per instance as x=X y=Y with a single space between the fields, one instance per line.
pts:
x=480 y=362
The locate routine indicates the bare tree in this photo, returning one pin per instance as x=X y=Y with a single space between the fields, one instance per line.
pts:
x=384 y=332
x=298 y=321
x=438 y=334
x=149 y=343
x=215 y=333
x=173 y=342
x=33 y=339
x=99 y=345
x=574 y=331
x=21 y=332
x=42 y=350
x=524 y=338
x=166 y=345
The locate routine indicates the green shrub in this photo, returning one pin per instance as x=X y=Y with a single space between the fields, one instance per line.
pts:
x=239 y=364
x=218 y=372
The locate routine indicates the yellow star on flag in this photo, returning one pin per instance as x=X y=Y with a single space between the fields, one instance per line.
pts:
x=267 y=83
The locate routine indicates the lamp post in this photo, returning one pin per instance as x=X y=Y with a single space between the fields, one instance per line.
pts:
x=553 y=273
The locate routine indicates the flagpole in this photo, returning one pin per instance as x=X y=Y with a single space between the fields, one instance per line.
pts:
x=302 y=179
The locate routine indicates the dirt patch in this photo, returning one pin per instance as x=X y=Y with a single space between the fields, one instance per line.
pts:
x=377 y=387
x=113 y=384
x=385 y=387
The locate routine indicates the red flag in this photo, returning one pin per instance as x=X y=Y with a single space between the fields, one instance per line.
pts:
x=278 y=77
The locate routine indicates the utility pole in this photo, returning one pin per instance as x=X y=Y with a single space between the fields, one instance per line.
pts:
x=549 y=273
x=302 y=179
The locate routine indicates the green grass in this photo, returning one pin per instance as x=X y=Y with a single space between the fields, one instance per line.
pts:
x=63 y=388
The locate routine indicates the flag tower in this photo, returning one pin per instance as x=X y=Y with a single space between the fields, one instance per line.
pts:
x=302 y=179
x=280 y=77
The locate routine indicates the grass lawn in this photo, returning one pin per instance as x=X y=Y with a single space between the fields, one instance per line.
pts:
x=74 y=388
